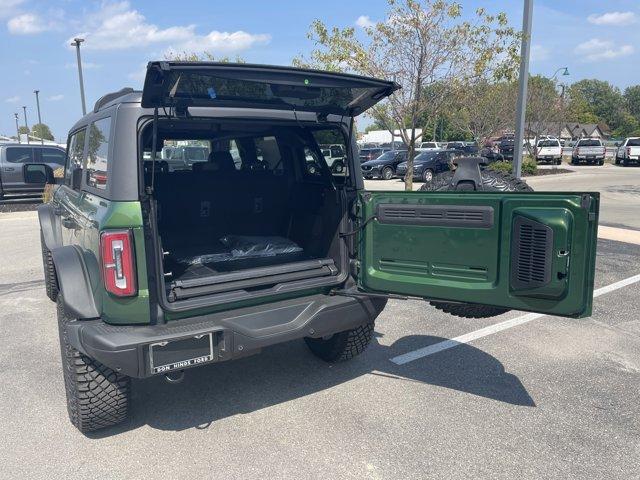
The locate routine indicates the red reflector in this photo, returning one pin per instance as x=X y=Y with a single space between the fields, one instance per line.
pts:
x=118 y=270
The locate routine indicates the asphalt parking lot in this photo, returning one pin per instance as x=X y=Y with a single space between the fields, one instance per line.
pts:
x=540 y=397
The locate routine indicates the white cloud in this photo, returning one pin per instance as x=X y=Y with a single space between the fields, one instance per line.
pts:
x=26 y=24
x=117 y=27
x=223 y=42
x=8 y=7
x=613 y=18
x=56 y=98
x=14 y=99
x=539 y=53
x=596 y=49
x=364 y=21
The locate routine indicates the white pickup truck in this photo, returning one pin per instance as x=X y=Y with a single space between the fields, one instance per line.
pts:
x=628 y=151
x=549 y=150
x=590 y=150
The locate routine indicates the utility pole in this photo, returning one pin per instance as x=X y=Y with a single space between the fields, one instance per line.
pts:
x=17 y=127
x=24 y=109
x=76 y=43
x=39 y=118
x=521 y=108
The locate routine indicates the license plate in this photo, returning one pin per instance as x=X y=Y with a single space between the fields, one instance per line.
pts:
x=591 y=157
x=178 y=354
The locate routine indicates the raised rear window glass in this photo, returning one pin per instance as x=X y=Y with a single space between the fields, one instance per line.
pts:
x=20 y=155
x=548 y=143
x=199 y=87
x=97 y=154
x=633 y=142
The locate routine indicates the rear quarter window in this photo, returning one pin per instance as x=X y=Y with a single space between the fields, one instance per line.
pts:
x=97 y=153
x=75 y=154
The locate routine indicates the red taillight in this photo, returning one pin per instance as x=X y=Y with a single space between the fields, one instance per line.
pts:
x=628 y=151
x=118 y=269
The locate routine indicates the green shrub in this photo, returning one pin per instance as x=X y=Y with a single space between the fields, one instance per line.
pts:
x=529 y=167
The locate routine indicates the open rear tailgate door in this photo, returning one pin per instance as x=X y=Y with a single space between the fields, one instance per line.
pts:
x=207 y=84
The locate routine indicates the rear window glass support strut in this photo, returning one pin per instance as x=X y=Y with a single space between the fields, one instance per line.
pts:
x=154 y=150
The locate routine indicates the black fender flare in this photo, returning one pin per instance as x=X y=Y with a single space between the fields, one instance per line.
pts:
x=49 y=226
x=75 y=274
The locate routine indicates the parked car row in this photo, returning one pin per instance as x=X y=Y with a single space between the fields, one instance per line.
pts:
x=432 y=157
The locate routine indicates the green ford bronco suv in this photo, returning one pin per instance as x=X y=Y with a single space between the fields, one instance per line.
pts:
x=158 y=266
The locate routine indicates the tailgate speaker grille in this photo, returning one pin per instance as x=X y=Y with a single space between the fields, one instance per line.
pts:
x=531 y=248
x=472 y=216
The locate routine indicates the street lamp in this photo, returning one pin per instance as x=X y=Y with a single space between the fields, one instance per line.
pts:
x=523 y=80
x=26 y=125
x=17 y=127
x=565 y=72
x=39 y=118
x=76 y=43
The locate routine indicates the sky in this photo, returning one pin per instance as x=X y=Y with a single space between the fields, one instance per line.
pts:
x=594 y=39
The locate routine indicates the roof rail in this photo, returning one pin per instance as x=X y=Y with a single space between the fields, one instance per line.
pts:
x=103 y=100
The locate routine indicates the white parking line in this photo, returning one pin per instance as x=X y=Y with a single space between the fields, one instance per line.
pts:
x=498 y=327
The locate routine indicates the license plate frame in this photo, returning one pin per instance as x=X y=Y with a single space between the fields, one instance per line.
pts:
x=170 y=355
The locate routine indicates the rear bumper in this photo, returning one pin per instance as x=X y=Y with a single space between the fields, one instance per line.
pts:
x=237 y=333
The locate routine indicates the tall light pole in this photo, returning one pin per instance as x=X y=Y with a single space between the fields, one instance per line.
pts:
x=76 y=43
x=26 y=125
x=39 y=118
x=17 y=127
x=521 y=108
x=565 y=73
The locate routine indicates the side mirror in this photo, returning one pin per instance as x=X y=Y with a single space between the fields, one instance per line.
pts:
x=617 y=144
x=76 y=178
x=37 y=173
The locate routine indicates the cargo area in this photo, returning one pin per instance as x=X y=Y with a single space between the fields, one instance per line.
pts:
x=259 y=208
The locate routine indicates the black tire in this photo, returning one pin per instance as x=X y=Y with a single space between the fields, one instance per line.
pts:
x=342 y=346
x=491 y=181
x=617 y=162
x=600 y=162
x=625 y=162
x=50 y=277
x=558 y=162
x=387 y=173
x=427 y=175
x=574 y=161
x=97 y=396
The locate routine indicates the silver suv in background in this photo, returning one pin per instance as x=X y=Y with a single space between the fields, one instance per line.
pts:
x=14 y=159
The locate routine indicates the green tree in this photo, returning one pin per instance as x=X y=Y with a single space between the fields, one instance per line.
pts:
x=484 y=108
x=41 y=130
x=601 y=99
x=632 y=100
x=428 y=49
x=22 y=130
x=204 y=56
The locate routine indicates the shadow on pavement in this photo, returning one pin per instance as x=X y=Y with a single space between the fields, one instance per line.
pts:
x=289 y=371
